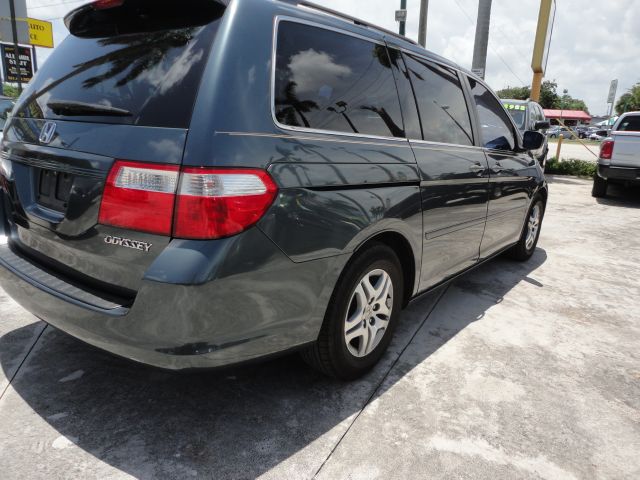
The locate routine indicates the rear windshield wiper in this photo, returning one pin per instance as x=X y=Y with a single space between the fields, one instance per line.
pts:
x=72 y=108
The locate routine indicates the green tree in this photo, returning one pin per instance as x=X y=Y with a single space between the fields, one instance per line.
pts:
x=515 y=93
x=630 y=101
x=549 y=97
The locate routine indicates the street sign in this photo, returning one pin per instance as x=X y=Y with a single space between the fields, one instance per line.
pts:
x=401 y=15
x=6 y=34
x=613 y=88
x=40 y=33
x=478 y=71
x=17 y=69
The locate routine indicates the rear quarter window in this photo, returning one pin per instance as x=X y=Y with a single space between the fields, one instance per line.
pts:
x=325 y=80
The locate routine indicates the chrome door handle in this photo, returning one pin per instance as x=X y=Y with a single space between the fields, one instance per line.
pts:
x=497 y=168
x=476 y=168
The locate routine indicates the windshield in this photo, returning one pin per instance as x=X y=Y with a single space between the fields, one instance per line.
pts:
x=518 y=113
x=152 y=75
x=5 y=109
x=630 y=124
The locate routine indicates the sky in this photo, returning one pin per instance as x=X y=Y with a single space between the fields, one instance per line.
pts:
x=593 y=41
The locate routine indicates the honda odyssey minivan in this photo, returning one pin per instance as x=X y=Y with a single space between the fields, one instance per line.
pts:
x=207 y=182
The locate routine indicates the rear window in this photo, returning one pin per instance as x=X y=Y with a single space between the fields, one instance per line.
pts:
x=518 y=112
x=630 y=124
x=147 y=76
x=332 y=81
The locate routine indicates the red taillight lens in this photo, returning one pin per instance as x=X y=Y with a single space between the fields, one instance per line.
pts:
x=140 y=196
x=210 y=203
x=606 y=149
x=105 y=4
x=214 y=203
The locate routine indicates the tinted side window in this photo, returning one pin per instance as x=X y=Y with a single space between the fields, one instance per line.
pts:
x=407 y=99
x=331 y=81
x=443 y=110
x=495 y=127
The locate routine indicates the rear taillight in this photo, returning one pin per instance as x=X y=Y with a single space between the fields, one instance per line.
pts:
x=606 y=149
x=140 y=196
x=220 y=202
x=209 y=203
x=105 y=4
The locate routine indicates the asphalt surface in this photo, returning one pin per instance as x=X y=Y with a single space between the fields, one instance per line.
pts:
x=516 y=370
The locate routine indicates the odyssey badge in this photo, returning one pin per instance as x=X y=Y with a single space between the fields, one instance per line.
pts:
x=128 y=243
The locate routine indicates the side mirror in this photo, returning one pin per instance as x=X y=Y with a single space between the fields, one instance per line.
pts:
x=542 y=125
x=532 y=140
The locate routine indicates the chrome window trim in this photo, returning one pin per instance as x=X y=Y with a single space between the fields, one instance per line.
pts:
x=431 y=143
x=281 y=18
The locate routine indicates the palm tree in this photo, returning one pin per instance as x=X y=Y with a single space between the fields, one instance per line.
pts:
x=291 y=107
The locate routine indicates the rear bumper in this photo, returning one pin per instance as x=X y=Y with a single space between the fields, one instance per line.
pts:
x=619 y=174
x=234 y=316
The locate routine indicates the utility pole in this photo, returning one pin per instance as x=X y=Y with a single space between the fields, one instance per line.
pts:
x=403 y=7
x=16 y=53
x=479 y=64
x=544 y=31
x=422 y=29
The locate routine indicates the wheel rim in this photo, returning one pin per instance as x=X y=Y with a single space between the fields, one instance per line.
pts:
x=368 y=314
x=533 y=225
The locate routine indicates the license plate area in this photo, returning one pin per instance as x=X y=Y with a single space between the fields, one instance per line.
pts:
x=54 y=189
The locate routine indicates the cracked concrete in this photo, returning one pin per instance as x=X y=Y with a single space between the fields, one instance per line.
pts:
x=520 y=371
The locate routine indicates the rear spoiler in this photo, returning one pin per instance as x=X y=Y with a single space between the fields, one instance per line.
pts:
x=104 y=18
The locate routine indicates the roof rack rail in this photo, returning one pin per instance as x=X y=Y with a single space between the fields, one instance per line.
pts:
x=355 y=20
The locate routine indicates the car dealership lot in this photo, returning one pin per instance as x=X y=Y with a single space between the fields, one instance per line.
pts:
x=517 y=370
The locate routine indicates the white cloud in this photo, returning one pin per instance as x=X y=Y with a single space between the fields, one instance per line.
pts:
x=593 y=42
x=311 y=70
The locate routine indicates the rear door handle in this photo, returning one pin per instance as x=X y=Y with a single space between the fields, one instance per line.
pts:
x=497 y=168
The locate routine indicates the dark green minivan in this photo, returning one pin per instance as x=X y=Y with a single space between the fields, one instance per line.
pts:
x=209 y=185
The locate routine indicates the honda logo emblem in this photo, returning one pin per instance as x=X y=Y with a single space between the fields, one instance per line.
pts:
x=47 y=132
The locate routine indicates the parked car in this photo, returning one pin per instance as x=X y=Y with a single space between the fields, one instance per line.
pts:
x=555 y=132
x=582 y=131
x=6 y=104
x=598 y=135
x=170 y=200
x=528 y=115
x=619 y=160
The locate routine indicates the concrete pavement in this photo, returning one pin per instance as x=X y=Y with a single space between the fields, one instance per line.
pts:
x=516 y=370
x=575 y=150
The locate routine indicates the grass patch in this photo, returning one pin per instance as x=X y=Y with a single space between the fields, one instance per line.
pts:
x=578 y=168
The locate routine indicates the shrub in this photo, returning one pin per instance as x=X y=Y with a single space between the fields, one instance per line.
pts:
x=579 y=168
x=10 y=91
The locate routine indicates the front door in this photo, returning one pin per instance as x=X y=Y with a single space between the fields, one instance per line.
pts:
x=511 y=171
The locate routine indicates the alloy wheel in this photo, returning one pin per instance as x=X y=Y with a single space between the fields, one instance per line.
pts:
x=533 y=225
x=368 y=314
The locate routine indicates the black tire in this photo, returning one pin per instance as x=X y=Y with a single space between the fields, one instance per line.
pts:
x=330 y=354
x=599 y=189
x=519 y=251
